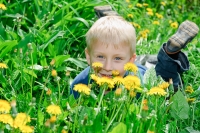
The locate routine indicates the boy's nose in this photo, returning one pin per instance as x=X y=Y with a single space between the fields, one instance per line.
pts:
x=107 y=66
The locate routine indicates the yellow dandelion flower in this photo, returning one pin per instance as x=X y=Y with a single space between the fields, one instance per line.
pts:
x=4 y=106
x=191 y=100
x=131 y=82
x=94 y=77
x=156 y=22
x=145 y=4
x=54 y=73
x=26 y=129
x=2 y=6
x=130 y=67
x=136 y=25
x=118 y=91
x=53 y=119
x=106 y=81
x=150 y=13
x=53 y=109
x=144 y=35
x=157 y=91
x=64 y=131
x=128 y=1
x=149 y=131
x=163 y=3
x=130 y=15
x=82 y=88
x=97 y=65
x=132 y=93
x=2 y=65
x=164 y=85
x=115 y=72
x=174 y=25
x=146 y=31
x=21 y=120
x=118 y=80
x=159 y=15
x=6 y=119
x=189 y=89
x=139 y=5
x=149 y=10
x=130 y=6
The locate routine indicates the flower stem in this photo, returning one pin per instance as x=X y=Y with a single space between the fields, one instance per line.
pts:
x=100 y=100
x=110 y=122
x=75 y=121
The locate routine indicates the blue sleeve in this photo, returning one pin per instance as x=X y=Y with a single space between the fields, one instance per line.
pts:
x=81 y=78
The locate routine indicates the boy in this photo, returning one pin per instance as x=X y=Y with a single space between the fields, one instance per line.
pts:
x=112 y=41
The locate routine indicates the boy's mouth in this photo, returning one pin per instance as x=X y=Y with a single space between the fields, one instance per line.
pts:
x=106 y=75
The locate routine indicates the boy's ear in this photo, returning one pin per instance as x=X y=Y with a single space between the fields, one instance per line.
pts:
x=133 y=57
x=87 y=56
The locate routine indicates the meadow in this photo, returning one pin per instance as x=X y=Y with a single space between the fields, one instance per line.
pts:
x=42 y=46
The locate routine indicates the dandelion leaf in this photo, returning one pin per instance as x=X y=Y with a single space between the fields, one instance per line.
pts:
x=179 y=107
x=119 y=128
x=189 y=130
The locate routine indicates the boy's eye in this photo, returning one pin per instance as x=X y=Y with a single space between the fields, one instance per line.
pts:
x=118 y=58
x=100 y=56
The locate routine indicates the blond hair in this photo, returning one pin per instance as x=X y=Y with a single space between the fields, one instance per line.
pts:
x=112 y=30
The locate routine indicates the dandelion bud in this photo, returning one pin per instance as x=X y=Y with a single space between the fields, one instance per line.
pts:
x=48 y=92
x=52 y=62
x=64 y=131
x=53 y=119
x=54 y=73
x=118 y=91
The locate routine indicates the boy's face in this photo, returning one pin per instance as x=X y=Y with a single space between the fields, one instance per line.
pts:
x=112 y=58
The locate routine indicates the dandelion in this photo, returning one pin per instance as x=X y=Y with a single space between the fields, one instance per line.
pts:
x=94 y=77
x=156 y=22
x=4 y=106
x=21 y=119
x=48 y=92
x=149 y=10
x=118 y=91
x=163 y=3
x=132 y=94
x=130 y=67
x=53 y=110
x=144 y=101
x=82 y=88
x=174 y=25
x=115 y=72
x=132 y=82
x=145 y=4
x=159 y=15
x=2 y=65
x=128 y=1
x=64 y=131
x=54 y=73
x=189 y=89
x=130 y=6
x=145 y=107
x=150 y=13
x=118 y=80
x=157 y=91
x=53 y=119
x=6 y=119
x=106 y=81
x=149 y=131
x=164 y=85
x=139 y=5
x=2 y=6
x=136 y=25
x=97 y=65
x=26 y=129
x=191 y=100
x=130 y=15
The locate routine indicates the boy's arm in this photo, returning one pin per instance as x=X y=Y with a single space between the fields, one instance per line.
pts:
x=81 y=78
